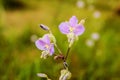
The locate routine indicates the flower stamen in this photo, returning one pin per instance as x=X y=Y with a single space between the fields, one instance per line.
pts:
x=46 y=46
x=71 y=29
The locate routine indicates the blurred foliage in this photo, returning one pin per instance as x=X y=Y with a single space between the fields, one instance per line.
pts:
x=20 y=59
x=13 y=4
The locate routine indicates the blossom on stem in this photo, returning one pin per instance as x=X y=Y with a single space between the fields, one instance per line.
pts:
x=45 y=45
x=65 y=74
x=72 y=29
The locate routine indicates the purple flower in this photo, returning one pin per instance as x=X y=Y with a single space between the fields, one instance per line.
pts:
x=45 y=45
x=72 y=27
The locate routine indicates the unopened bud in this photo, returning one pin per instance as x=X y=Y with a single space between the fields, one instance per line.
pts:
x=82 y=21
x=65 y=74
x=44 y=27
x=44 y=54
x=65 y=65
x=71 y=38
x=42 y=75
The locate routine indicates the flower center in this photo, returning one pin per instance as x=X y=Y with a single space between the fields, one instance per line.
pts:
x=46 y=46
x=71 y=29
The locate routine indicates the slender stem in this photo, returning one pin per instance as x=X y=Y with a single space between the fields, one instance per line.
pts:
x=64 y=61
x=68 y=50
x=58 y=49
x=56 y=44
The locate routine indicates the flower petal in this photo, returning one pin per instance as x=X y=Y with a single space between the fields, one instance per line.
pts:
x=51 y=49
x=40 y=44
x=64 y=27
x=73 y=21
x=79 y=30
x=46 y=38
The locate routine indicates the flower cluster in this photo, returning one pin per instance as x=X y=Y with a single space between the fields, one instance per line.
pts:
x=72 y=29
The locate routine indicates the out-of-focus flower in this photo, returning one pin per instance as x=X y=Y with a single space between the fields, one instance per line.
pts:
x=45 y=45
x=72 y=29
x=43 y=75
x=91 y=7
x=89 y=43
x=95 y=36
x=96 y=14
x=33 y=38
x=65 y=74
x=80 y=4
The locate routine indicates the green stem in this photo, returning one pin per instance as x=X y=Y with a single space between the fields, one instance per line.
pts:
x=68 y=50
x=58 y=49
x=55 y=43
x=64 y=61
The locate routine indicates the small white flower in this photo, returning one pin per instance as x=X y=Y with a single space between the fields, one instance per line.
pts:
x=80 y=4
x=33 y=38
x=89 y=43
x=95 y=36
x=97 y=14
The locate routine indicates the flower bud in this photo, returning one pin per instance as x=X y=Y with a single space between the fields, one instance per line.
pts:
x=65 y=74
x=82 y=21
x=65 y=65
x=43 y=75
x=71 y=38
x=44 y=54
x=44 y=27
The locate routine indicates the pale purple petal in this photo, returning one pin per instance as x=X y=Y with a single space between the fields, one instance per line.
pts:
x=40 y=44
x=51 y=49
x=73 y=21
x=79 y=30
x=46 y=39
x=64 y=27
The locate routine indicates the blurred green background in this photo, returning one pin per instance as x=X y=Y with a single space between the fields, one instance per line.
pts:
x=95 y=56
